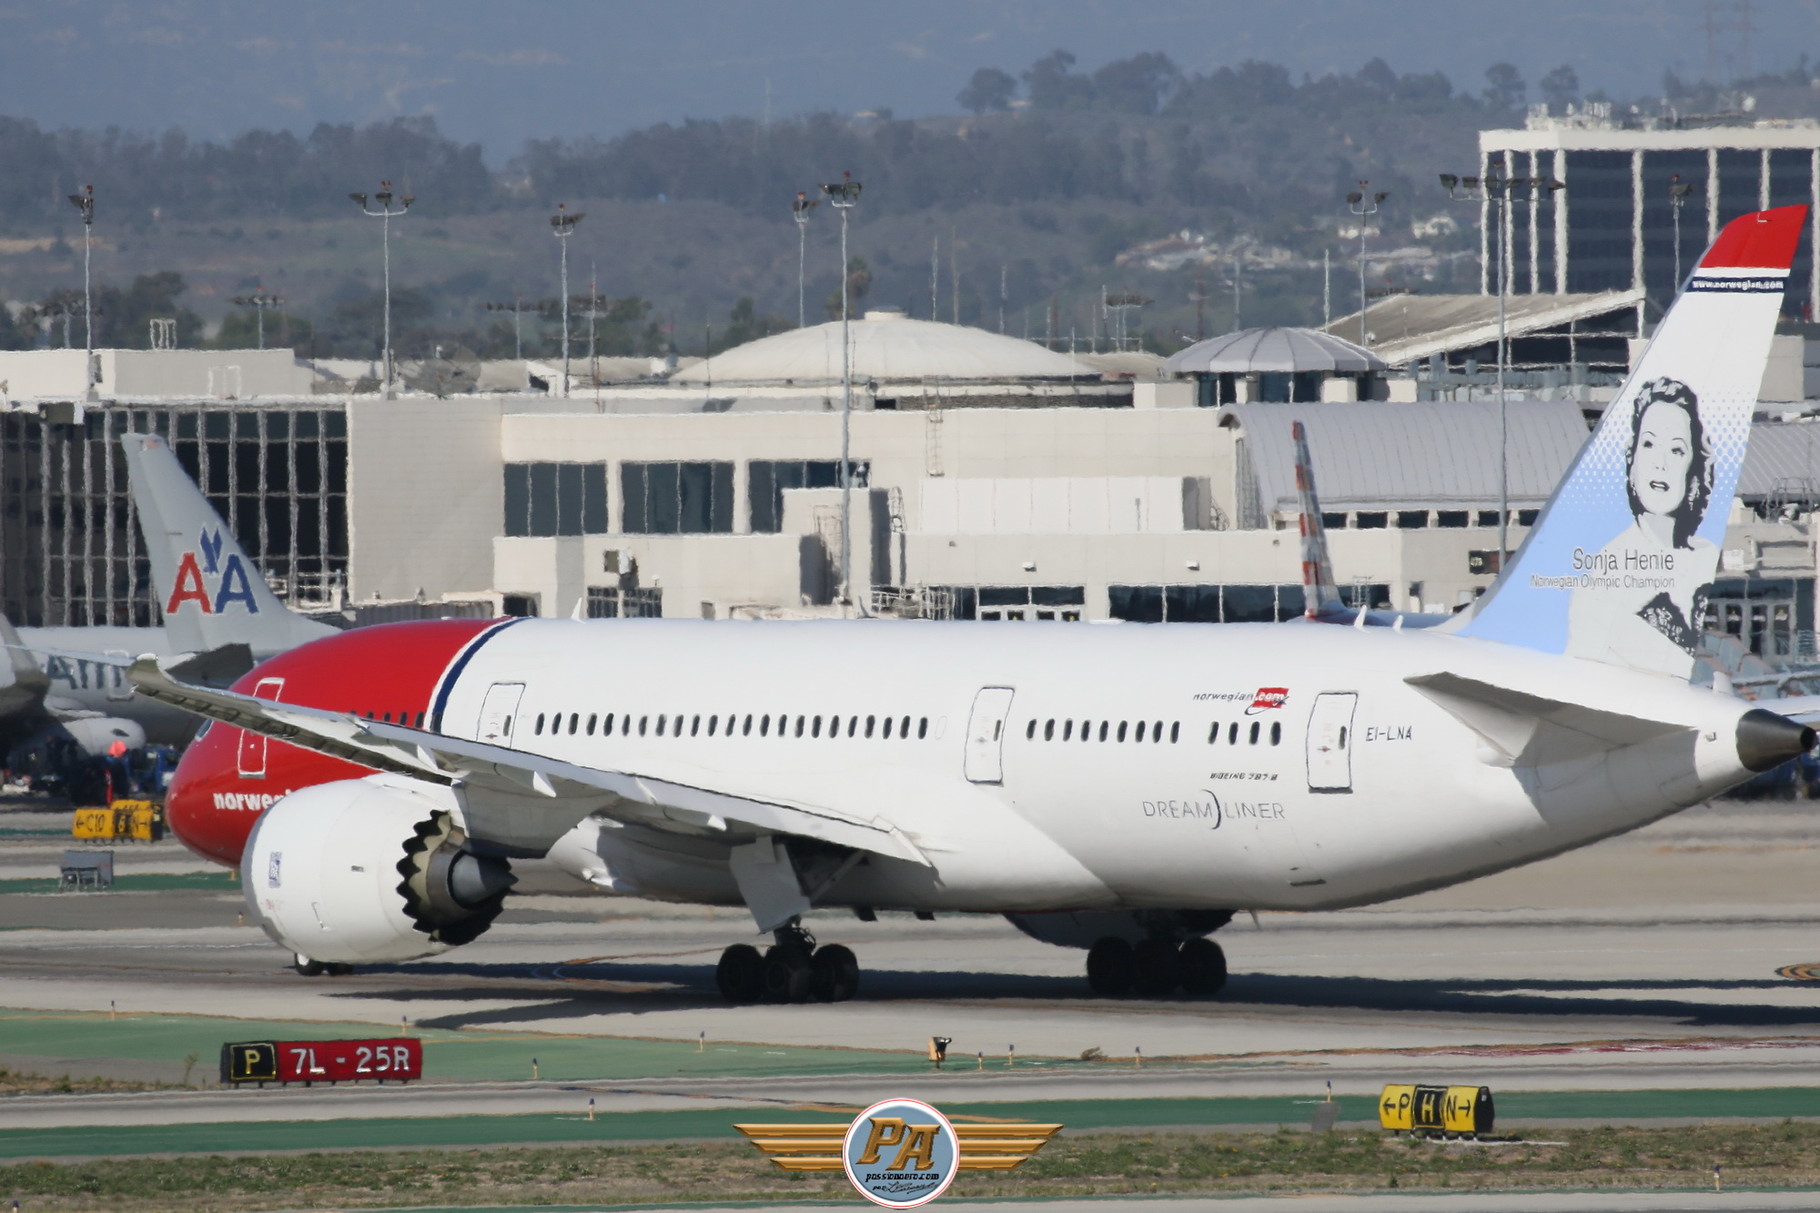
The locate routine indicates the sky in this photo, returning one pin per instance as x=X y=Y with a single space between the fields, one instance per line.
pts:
x=500 y=73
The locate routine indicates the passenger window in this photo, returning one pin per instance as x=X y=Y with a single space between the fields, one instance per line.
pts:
x=1213 y=734
x=1123 y=725
x=1030 y=730
x=1049 y=730
x=660 y=726
x=642 y=720
x=593 y=719
x=1104 y=725
x=1255 y=726
x=870 y=722
x=574 y=723
x=888 y=723
x=922 y=728
x=1156 y=732
x=1138 y=733
x=852 y=726
x=1175 y=732
x=606 y=726
x=695 y=725
x=815 y=726
x=800 y=721
x=1232 y=733
x=387 y=718
x=745 y=730
x=1342 y=737
x=538 y=730
x=764 y=726
x=1276 y=733
x=903 y=729
x=1067 y=730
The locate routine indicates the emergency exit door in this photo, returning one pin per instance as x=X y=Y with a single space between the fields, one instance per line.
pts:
x=498 y=711
x=252 y=745
x=1330 y=742
x=985 y=762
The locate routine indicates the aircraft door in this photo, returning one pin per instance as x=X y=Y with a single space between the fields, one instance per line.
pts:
x=252 y=745
x=984 y=762
x=498 y=712
x=1330 y=742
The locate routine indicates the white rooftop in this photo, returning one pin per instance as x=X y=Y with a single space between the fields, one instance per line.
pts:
x=1250 y=351
x=887 y=347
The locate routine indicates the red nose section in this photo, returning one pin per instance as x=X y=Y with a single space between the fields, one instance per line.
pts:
x=228 y=776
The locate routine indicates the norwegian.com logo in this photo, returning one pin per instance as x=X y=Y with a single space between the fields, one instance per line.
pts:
x=194 y=575
x=1268 y=699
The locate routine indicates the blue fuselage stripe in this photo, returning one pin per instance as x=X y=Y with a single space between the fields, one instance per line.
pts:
x=454 y=671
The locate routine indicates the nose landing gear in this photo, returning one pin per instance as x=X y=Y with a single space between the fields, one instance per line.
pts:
x=1155 y=968
x=793 y=969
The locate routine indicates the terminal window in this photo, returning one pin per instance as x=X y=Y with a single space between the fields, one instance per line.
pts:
x=545 y=499
x=770 y=477
x=1226 y=603
x=677 y=498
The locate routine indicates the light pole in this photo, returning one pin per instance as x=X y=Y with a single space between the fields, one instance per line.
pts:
x=1678 y=190
x=799 y=211
x=385 y=214
x=1500 y=191
x=516 y=307
x=85 y=202
x=1364 y=204
x=562 y=226
x=843 y=195
x=260 y=302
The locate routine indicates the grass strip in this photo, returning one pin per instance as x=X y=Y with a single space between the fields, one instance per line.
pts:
x=144 y=882
x=461 y=1132
x=1785 y=1155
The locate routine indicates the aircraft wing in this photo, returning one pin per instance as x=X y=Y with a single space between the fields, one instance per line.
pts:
x=518 y=798
x=1803 y=708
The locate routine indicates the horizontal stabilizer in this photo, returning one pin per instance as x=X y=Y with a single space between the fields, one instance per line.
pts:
x=1512 y=723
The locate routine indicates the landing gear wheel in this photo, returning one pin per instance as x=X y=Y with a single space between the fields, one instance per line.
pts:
x=1110 y=967
x=1157 y=968
x=741 y=974
x=788 y=973
x=834 y=974
x=1203 y=967
x=307 y=967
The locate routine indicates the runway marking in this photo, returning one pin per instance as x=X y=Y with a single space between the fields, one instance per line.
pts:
x=1808 y=971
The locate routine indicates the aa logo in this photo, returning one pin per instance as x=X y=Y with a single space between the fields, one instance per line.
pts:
x=901 y=1153
x=230 y=579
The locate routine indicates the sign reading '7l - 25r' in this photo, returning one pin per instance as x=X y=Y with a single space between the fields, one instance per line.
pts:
x=395 y=1059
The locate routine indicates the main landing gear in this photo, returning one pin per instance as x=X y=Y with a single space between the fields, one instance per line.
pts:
x=792 y=969
x=1155 y=968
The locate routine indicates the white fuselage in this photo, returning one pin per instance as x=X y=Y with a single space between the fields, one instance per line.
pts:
x=1279 y=766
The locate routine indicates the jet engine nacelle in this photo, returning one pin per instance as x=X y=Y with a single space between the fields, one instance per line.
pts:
x=96 y=736
x=372 y=869
x=1084 y=928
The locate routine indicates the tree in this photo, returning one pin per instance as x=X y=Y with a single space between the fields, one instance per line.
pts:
x=1378 y=77
x=1050 y=84
x=1560 y=87
x=989 y=90
x=125 y=316
x=745 y=324
x=1505 y=86
x=1138 y=85
x=859 y=281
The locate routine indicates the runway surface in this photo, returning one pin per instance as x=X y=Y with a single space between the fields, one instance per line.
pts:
x=1649 y=961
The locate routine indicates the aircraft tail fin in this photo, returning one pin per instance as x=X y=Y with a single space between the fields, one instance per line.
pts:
x=210 y=591
x=1320 y=593
x=1619 y=564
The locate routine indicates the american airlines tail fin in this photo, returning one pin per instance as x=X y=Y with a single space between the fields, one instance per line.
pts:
x=211 y=593
x=1320 y=593
x=1619 y=566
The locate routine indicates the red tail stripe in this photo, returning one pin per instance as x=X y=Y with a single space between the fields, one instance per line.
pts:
x=1762 y=240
